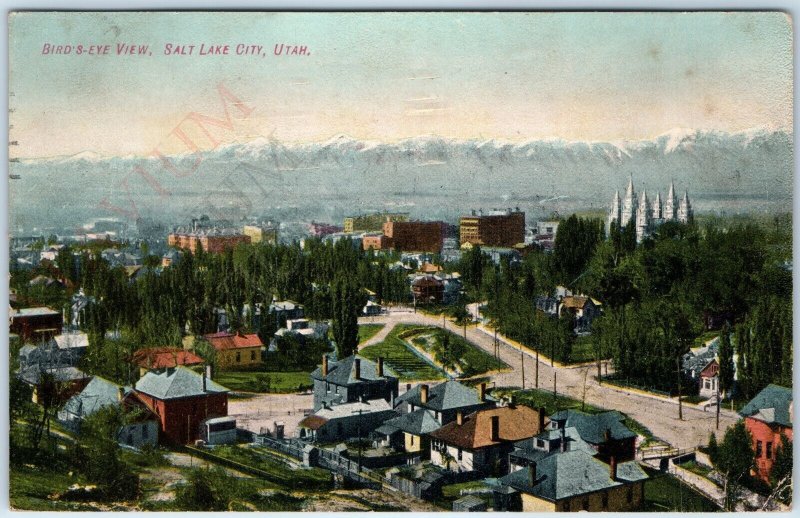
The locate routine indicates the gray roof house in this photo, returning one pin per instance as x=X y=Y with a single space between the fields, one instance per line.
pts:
x=773 y=405
x=352 y=379
x=445 y=400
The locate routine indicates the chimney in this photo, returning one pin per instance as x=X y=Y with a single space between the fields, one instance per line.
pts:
x=380 y=366
x=408 y=387
x=532 y=474
x=563 y=440
x=495 y=420
x=120 y=393
x=482 y=391
x=324 y=364
x=357 y=365
x=612 y=468
x=459 y=418
x=541 y=418
x=423 y=394
x=208 y=371
x=607 y=435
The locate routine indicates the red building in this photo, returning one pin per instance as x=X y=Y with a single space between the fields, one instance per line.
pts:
x=768 y=416
x=213 y=240
x=427 y=289
x=500 y=228
x=35 y=324
x=414 y=236
x=182 y=399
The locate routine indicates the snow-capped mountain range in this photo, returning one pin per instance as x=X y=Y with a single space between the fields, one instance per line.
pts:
x=437 y=176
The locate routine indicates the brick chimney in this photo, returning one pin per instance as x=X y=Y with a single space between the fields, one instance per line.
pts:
x=324 y=364
x=423 y=394
x=612 y=468
x=607 y=435
x=541 y=418
x=380 y=366
x=563 y=439
x=495 y=420
x=408 y=387
x=532 y=474
x=459 y=418
x=482 y=391
x=357 y=365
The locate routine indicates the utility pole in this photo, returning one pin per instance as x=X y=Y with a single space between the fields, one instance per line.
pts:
x=718 y=401
x=360 y=413
x=680 y=402
x=537 y=367
x=555 y=377
x=522 y=361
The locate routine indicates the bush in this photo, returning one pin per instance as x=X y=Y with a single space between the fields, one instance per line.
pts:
x=199 y=494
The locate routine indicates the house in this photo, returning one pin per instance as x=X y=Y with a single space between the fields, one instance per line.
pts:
x=235 y=351
x=100 y=393
x=35 y=324
x=573 y=481
x=182 y=399
x=583 y=309
x=605 y=432
x=445 y=400
x=701 y=364
x=409 y=432
x=285 y=310
x=60 y=351
x=768 y=416
x=58 y=383
x=482 y=440
x=346 y=421
x=371 y=309
x=709 y=379
x=352 y=379
x=160 y=358
x=427 y=289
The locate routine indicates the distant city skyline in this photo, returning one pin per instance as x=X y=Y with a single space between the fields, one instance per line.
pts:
x=390 y=76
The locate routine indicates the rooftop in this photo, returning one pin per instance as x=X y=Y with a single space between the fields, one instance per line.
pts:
x=771 y=405
x=444 y=396
x=223 y=340
x=572 y=473
x=515 y=423
x=343 y=372
x=33 y=312
x=176 y=383
x=97 y=394
x=163 y=357
x=592 y=427
x=418 y=422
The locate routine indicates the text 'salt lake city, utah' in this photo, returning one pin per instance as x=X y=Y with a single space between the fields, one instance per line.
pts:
x=400 y=261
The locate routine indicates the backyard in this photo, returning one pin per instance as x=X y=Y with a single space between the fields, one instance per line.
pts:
x=265 y=382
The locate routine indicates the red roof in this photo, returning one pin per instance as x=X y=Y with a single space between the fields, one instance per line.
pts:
x=222 y=341
x=515 y=423
x=163 y=357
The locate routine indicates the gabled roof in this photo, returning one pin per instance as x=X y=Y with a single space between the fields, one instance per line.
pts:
x=570 y=474
x=574 y=302
x=33 y=374
x=312 y=422
x=176 y=383
x=33 y=312
x=771 y=405
x=354 y=409
x=449 y=395
x=515 y=423
x=97 y=394
x=418 y=422
x=592 y=427
x=343 y=372
x=222 y=341
x=163 y=357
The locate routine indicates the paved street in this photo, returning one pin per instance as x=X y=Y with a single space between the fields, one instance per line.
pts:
x=660 y=415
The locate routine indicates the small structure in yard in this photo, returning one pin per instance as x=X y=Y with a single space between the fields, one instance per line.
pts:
x=767 y=417
x=469 y=504
x=219 y=430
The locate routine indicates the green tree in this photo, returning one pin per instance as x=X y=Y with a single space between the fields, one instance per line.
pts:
x=347 y=305
x=734 y=460
x=726 y=367
x=781 y=475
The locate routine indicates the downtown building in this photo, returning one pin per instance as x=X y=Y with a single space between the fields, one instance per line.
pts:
x=497 y=228
x=647 y=216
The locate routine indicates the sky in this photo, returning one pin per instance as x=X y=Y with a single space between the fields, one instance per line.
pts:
x=390 y=76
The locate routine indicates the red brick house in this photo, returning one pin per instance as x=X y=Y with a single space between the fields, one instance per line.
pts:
x=182 y=399
x=768 y=416
x=427 y=289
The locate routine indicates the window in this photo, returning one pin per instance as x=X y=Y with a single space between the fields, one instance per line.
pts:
x=252 y=356
x=336 y=389
x=412 y=440
x=758 y=449
x=540 y=443
x=327 y=387
x=460 y=454
x=769 y=449
x=605 y=500
x=238 y=357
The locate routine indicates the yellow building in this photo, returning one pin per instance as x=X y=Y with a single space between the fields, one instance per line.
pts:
x=235 y=351
x=576 y=480
x=259 y=234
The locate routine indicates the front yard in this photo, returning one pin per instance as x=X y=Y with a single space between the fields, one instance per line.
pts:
x=265 y=382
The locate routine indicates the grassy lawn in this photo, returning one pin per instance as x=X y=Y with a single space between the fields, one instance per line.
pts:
x=536 y=398
x=472 y=361
x=665 y=493
x=582 y=350
x=696 y=468
x=29 y=487
x=399 y=357
x=452 y=493
x=367 y=331
x=271 y=381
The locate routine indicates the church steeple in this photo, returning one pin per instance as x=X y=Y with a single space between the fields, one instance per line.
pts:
x=685 y=212
x=671 y=205
x=628 y=204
